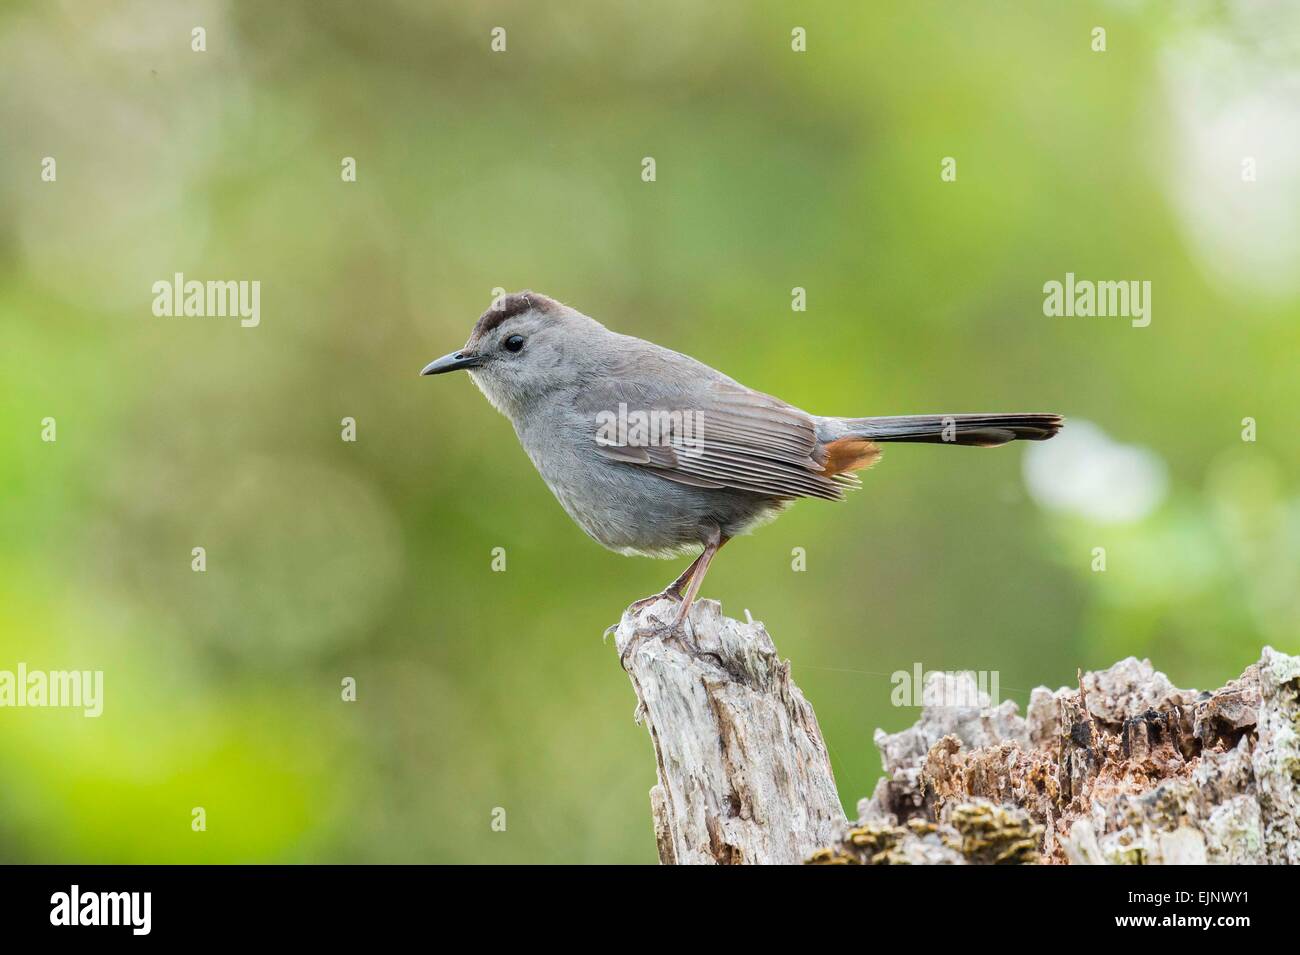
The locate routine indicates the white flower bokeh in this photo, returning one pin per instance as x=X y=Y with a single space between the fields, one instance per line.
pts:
x=1084 y=472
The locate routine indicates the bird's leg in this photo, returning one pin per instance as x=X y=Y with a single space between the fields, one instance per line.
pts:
x=706 y=558
x=695 y=574
x=674 y=590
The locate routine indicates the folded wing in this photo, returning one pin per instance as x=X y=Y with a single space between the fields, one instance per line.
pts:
x=719 y=434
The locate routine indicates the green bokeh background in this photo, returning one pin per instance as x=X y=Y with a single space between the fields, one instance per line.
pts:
x=478 y=170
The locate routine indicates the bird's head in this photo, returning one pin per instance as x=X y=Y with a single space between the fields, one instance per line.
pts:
x=524 y=347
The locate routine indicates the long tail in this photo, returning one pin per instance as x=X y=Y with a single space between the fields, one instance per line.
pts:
x=979 y=430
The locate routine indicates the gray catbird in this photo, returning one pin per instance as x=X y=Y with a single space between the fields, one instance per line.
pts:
x=655 y=453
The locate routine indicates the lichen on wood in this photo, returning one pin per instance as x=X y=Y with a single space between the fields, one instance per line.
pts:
x=976 y=832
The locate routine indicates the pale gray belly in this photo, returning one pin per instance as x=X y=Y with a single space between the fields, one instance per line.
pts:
x=630 y=509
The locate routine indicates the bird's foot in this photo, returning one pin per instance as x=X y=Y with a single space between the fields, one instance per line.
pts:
x=656 y=629
x=674 y=632
x=638 y=605
x=635 y=608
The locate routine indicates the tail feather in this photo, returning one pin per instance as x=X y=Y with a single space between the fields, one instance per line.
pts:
x=979 y=430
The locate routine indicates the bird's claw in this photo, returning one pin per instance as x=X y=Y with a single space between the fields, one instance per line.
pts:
x=666 y=633
x=638 y=605
x=674 y=632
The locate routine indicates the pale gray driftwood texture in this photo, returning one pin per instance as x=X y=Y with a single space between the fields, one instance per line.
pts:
x=744 y=776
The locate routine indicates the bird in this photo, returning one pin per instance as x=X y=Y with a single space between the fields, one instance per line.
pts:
x=654 y=453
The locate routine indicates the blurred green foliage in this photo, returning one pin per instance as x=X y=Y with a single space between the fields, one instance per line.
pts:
x=477 y=170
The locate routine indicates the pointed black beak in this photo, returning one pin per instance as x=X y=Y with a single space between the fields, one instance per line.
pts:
x=452 y=362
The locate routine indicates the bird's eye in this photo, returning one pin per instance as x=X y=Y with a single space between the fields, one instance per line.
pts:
x=514 y=343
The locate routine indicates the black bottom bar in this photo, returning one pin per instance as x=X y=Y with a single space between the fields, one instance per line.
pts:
x=331 y=904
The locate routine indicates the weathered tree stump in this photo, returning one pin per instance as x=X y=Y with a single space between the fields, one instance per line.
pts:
x=744 y=776
x=1123 y=768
